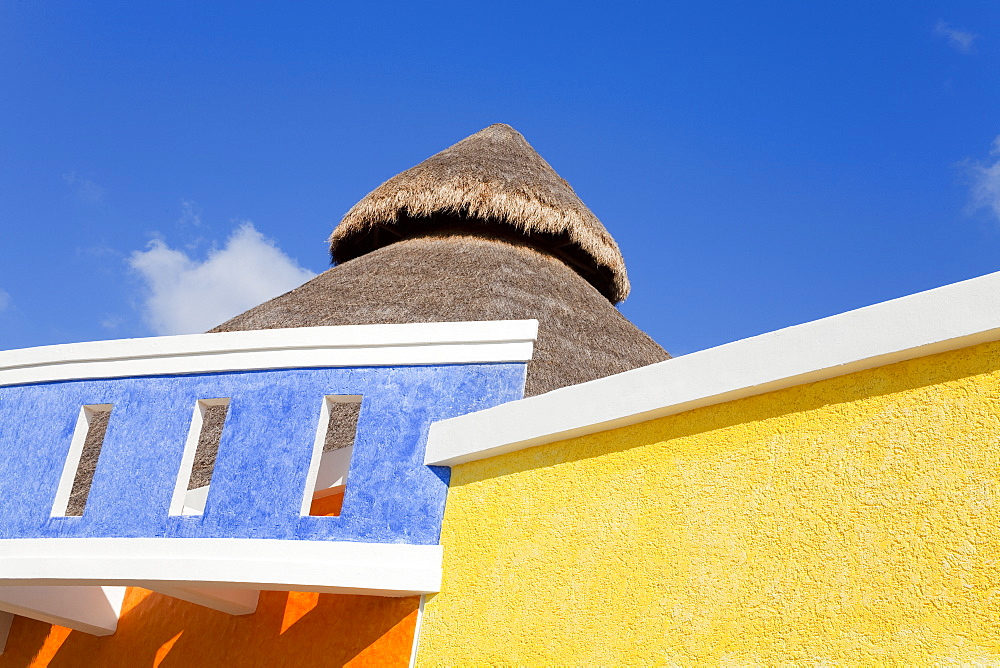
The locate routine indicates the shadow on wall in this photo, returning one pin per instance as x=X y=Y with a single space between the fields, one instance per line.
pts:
x=288 y=629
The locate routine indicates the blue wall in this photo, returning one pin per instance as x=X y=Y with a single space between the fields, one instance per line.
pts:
x=264 y=454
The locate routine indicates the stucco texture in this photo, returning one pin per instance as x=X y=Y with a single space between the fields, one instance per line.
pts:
x=263 y=457
x=849 y=521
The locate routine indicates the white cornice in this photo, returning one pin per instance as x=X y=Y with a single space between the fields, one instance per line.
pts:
x=380 y=569
x=947 y=318
x=341 y=346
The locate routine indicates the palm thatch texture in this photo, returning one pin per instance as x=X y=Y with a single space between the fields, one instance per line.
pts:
x=457 y=274
x=494 y=178
x=484 y=230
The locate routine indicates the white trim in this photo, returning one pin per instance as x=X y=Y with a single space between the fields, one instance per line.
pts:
x=93 y=610
x=381 y=569
x=327 y=469
x=232 y=601
x=317 y=454
x=334 y=467
x=947 y=318
x=299 y=347
x=194 y=501
x=72 y=464
x=416 y=631
x=183 y=501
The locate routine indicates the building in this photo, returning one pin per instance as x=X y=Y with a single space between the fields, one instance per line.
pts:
x=348 y=474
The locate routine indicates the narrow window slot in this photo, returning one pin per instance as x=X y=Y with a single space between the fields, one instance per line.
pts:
x=332 y=450
x=81 y=462
x=198 y=460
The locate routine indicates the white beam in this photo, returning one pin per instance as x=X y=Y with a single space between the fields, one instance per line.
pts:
x=374 y=569
x=233 y=601
x=93 y=610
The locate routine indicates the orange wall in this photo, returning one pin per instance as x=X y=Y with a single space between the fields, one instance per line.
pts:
x=298 y=629
x=288 y=629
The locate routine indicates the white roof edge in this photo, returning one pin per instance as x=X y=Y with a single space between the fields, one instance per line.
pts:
x=946 y=318
x=343 y=345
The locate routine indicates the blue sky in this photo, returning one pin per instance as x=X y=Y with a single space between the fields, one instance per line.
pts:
x=163 y=165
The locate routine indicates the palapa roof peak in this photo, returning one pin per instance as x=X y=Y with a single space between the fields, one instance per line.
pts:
x=492 y=180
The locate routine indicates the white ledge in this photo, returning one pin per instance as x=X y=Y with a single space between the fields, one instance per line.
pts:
x=298 y=347
x=93 y=610
x=939 y=320
x=232 y=601
x=375 y=569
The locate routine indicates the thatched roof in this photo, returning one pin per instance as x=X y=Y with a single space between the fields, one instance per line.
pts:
x=455 y=275
x=492 y=179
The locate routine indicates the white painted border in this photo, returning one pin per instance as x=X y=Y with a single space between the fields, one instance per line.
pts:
x=381 y=569
x=298 y=347
x=947 y=318
x=333 y=460
x=416 y=631
x=72 y=464
x=178 y=500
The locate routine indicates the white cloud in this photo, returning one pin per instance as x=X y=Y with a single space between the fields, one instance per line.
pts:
x=186 y=296
x=112 y=322
x=960 y=40
x=4 y=300
x=84 y=188
x=985 y=176
x=190 y=213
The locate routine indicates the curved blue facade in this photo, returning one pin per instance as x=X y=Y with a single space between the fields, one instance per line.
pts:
x=263 y=458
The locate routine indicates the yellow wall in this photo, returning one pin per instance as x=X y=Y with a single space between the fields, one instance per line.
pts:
x=854 y=520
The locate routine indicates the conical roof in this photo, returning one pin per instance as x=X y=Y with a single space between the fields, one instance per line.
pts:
x=484 y=230
x=493 y=179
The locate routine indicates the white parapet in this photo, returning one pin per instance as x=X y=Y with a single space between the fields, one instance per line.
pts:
x=947 y=318
x=300 y=347
x=380 y=569
x=80 y=582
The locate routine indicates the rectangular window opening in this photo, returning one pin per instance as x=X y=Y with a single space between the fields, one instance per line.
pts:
x=198 y=460
x=81 y=462
x=332 y=450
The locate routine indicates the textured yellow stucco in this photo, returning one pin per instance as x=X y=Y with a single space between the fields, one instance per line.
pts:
x=852 y=521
